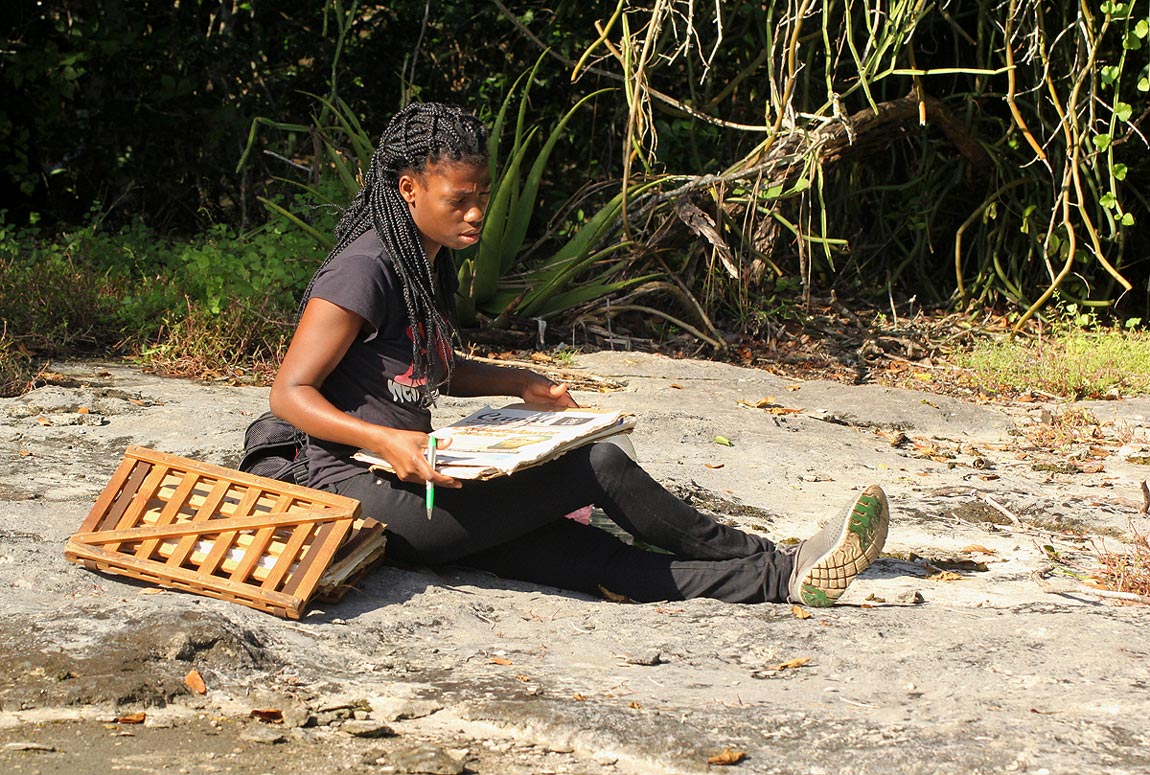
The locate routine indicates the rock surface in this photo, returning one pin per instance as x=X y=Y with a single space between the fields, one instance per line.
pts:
x=955 y=653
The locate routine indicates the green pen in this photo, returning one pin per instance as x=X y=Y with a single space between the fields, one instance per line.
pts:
x=430 y=499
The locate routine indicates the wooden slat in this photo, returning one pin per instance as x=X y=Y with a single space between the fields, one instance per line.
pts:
x=113 y=490
x=127 y=495
x=210 y=527
x=316 y=559
x=166 y=516
x=211 y=563
x=289 y=556
x=197 y=558
x=226 y=565
x=203 y=514
x=341 y=502
x=260 y=542
x=140 y=498
x=160 y=572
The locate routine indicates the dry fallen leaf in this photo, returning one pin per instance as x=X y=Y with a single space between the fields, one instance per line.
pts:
x=268 y=715
x=895 y=438
x=714 y=465
x=613 y=596
x=195 y=682
x=523 y=678
x=727 y=757
x=579 y=698
x=793 y=664
x=500 y=661
x=944 y=575
x=541 y=358
x=793 y=388
x=24 y=453
x=635 y=706
x=976 y=549
x=132 y=718
x=677 y=386
x=43 y=420
x=83 y=410
x=800 y=612
x=762 y=403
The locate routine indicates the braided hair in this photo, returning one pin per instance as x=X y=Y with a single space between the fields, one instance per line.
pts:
x=419 y=135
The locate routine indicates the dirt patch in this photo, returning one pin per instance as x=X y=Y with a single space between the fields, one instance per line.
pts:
x=141 y=663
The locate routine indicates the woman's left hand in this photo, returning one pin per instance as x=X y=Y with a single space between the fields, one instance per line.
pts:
x=540 y=391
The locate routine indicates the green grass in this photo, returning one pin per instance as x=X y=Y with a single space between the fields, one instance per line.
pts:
x=216 y=304
x=1072 y=362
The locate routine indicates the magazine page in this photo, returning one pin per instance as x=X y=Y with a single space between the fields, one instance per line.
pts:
x=494 y=441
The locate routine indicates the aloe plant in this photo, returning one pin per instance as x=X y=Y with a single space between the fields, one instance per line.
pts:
x=493 y=277
x=483 y=270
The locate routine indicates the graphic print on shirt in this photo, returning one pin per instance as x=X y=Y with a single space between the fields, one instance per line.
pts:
x=404 y=388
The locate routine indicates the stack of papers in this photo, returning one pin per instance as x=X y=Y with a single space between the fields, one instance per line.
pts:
x=497 y=442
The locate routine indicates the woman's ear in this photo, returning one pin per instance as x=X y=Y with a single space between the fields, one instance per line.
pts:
x=407 y=186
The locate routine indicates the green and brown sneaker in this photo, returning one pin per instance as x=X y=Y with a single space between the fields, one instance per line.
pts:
x=827 y=562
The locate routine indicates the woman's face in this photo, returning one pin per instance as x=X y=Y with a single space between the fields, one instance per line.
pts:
x=447 y=202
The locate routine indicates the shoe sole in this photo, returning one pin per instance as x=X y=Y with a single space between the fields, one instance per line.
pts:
x=862 y=537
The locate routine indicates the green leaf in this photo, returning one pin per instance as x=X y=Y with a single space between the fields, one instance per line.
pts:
x=1127 y=219
x=1131 y=42
x=516 y=230
x=496 y=132
x=1142 y=29
x=325 y=240
x=595 y=289
x=1108 y=200
x=1123 y=111
x=1110 y=74
x=1101 y=142
x=488 y=261
x=1119 y=171
x=724 y=441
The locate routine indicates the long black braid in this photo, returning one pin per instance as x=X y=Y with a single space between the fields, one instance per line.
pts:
x=420 y=134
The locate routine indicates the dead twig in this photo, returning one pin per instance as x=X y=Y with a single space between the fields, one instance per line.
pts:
x=1040 y=578
x=999 y=508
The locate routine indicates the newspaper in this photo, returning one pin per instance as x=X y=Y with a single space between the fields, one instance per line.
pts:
x=497 y=442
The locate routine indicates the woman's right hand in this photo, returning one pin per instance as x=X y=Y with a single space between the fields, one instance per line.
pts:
x=406 y=452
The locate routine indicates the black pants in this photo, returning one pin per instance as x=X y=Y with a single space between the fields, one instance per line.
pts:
x=514 y=527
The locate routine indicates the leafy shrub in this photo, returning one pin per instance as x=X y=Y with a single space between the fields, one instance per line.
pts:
x=202 y=305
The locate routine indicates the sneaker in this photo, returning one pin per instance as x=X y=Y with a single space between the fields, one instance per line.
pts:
x=827 y=562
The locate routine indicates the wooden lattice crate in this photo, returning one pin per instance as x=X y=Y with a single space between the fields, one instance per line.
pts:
x=223 y=533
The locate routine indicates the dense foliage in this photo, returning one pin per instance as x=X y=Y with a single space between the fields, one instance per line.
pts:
x=737 y=158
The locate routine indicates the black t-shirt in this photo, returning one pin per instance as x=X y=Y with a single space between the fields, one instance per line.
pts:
x=373 y=381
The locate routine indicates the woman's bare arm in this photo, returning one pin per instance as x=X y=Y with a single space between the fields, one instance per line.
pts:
x=322 y=338
x=472 y=378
